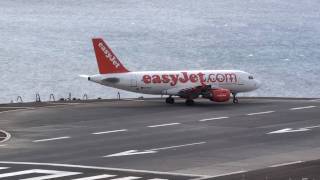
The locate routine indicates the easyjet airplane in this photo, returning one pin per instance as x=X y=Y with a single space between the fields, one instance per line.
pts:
x=215 y=85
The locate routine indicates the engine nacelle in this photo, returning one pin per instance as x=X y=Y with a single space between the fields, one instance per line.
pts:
x=220 y=95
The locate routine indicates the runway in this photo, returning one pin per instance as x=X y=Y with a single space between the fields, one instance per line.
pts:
x=202 y=141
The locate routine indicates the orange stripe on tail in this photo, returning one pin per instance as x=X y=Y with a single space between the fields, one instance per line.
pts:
x=107 y=61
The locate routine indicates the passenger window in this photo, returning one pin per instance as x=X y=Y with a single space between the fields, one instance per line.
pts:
x=250 y=77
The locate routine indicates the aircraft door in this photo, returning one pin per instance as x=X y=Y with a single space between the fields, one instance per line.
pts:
x=133 y=81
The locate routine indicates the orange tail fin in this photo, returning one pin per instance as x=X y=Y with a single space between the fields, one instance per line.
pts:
x=107 y=61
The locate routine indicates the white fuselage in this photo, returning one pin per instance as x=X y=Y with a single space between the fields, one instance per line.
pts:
x=171 y=82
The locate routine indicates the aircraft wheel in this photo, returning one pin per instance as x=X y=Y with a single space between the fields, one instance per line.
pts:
x=189 y=102
x=169 y=100
x=235 y=101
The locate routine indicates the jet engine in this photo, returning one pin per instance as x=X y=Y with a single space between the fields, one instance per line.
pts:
x=220 y=95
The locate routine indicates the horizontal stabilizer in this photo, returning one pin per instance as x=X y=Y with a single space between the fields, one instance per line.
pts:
x=84 y=76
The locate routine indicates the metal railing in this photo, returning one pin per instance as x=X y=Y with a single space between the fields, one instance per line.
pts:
x=38 y=99
x=85 y=97
x=19 y=99
x=52 y=98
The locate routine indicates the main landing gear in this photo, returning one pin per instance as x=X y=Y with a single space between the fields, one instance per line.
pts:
x=189 y=102
x=169 y=100
x=235 y=99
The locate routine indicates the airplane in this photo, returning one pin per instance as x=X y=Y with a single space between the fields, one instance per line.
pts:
x=215 y=85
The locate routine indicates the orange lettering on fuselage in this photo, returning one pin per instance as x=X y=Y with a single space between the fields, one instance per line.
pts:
x=185 y=77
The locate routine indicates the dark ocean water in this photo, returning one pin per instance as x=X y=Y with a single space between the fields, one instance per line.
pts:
x=44 y=45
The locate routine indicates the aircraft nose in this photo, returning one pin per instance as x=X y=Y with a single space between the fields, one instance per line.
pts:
x=258 y=84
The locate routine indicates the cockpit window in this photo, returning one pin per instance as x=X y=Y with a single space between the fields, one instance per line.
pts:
x=251 y=77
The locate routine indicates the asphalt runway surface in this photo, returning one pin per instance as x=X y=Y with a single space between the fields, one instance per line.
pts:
x=255 y=138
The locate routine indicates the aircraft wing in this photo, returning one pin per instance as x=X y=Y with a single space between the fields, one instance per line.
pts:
x=189 y=92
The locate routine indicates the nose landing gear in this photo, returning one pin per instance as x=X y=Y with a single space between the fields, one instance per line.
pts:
x=170 y=100
x=235 y=99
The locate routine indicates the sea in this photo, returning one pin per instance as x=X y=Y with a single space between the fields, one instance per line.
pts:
x=46 y=44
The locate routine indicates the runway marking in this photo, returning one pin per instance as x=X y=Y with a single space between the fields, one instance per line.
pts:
x=227 y=174
x=211 y=119
x=37 y=173
x=311 y=127
x=178 y=146
x=127 y=178
x=286 y=164
x=137 y=100
x=259 y=113
x=96 y=177
x=299 y=108
x=163 y=125
x=14 y=110
x=108 y=132
x=97 y=168
x=14 y=107
x=53 y=174
x=6 y=138
x=130 y=153
x=51 y=139
x=315 y=100
x=70 y=103
x=290 y=130
x=151 y=151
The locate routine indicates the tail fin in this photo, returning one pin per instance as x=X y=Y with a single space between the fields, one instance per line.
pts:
x=107 y=61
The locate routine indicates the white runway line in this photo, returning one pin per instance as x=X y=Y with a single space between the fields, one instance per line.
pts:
x=211 y=119
x=311 y=127
x=127 y=178
x=173 y=147
x=109 y=132
x=12 y=107
x=137 y=100
x=52 y=174
x=227 y=174
x=4 y=168
x=315 y=100
x=96 y=168
x=96 y=177
x=15 y=110
x=305 y=107
x=61 y=104
x=163 y=125
x=259 y=113
x=286 y=164
x=51 y=139
x=151 y=151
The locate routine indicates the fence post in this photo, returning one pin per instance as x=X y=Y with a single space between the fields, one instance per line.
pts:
x=118 y=95
x=38 y=99
x=85 y=97
x=70 y=97
x=53 y=98
x=19 y=98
